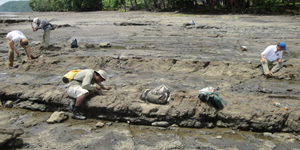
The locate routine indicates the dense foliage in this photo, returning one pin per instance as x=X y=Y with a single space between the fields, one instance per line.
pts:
x=15 y=6
x=210 y=6
x=65 y=5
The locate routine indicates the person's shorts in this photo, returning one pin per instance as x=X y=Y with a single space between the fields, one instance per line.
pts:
x=76 y=91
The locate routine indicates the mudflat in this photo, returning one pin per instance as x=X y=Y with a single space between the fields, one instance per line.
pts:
x=142 y=50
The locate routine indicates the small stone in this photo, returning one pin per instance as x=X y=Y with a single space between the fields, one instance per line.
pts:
x=160 y=124
x=109 y=123
x=105 y=44
x=100 y=124
x=174 y=125
x=9 y=104
x=57 y=117
x=219 y=137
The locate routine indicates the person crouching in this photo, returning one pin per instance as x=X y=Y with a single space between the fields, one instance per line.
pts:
x=84 y=84
x=272 y=56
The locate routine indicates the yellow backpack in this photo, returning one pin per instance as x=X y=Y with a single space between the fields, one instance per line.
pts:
x=70 y=75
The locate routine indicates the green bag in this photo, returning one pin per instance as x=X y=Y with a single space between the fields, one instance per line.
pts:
x=212 y=98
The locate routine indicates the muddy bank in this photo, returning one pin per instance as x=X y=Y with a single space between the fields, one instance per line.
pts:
x=74 y=134
x=149 y=49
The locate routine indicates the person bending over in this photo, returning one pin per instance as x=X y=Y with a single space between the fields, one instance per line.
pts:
x=46 y=26
x=17 y=37
x=85 y=83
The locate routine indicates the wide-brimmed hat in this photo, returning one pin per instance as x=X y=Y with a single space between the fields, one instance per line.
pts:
x=102 y=73
x=35 y=20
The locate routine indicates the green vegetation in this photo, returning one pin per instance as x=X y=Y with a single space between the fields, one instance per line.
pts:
x=15 y=6
x=194 y=6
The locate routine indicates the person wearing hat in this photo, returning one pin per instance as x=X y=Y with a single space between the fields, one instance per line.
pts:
x=85 y=83
x=46 y=26
x=272 y=56
x=17 y=37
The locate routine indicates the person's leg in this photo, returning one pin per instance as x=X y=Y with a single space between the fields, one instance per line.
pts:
x=265 y=67
x=277 y=66
x=43 y=38
x=46 y=38
x=80 y=99
x=10 y=55
x=80 y=94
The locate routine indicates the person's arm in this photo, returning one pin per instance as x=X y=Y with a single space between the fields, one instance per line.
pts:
x=279 y=60
x=33 y=29
x=101 y=86
x=28 y=52
x=39 y=25
x=12 y=46
x=263 y=58
x=87 y=82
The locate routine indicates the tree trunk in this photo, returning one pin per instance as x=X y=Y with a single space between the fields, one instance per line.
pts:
x=163 y=1
x=131 y=3
x=135 y=2
x=145 y=2
x=124 y=5
x=155 y=4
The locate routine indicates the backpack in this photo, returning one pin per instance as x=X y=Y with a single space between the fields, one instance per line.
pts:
x=70 y=75
x=158 y=95
x=74 y=43
x=212 y=98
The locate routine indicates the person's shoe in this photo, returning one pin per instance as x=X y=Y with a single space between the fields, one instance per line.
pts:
x=79 y=116
x=71 y=104
x=268 y=75
x=271 y=73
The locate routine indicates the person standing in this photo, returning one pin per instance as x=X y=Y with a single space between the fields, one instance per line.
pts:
x=46 y=26
x=85 y=83
x=271 y=58
x=17 y=37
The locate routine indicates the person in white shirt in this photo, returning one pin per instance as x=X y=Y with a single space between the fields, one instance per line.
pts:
x=17 y=37
x=271 y=58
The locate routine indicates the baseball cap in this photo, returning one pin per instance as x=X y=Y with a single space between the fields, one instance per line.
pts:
x=102 y=73
x=282 y=45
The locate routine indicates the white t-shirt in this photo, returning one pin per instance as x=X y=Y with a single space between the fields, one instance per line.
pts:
x=270 y=55
x=16 y=36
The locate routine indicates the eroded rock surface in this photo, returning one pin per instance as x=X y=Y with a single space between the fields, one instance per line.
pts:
x=160 y=49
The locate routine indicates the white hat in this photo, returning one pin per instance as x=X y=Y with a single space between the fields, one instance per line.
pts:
x=102 y=73
x=35 y=20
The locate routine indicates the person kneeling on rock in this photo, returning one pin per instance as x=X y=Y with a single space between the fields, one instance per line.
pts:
x=85 y=83
x=272 y=55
